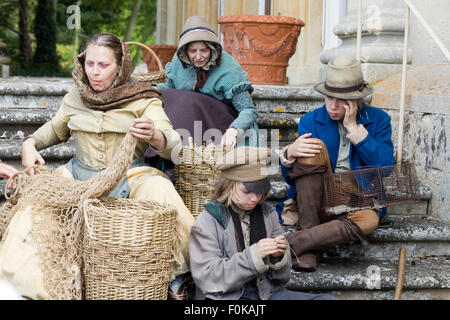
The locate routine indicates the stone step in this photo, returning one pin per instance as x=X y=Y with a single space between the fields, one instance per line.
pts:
x=355 y=272
x=11 y=149
x=407 y=294
x=373 y=274
x=286 y=99
x=16 y=123
x=19 y=123
x=422 y=236
x=29 y=93
x=414 y=229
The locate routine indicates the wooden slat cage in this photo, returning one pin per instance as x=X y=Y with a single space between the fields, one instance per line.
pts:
x=370 y=188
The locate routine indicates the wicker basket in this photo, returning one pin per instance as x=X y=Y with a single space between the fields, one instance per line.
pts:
x=128 y=249
x=196 y=174
x=153 y=77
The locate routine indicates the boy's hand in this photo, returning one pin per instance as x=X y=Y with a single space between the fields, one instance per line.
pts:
x=304 y=146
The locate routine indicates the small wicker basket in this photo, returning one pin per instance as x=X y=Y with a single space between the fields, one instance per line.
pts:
x=153 y=77
x=128 y=249
x=196 y=174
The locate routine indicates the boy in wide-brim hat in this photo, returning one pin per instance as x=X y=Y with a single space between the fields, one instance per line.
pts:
x=344 y=134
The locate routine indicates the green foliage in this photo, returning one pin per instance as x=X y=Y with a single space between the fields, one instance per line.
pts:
x=65 y=54
x=104 y=16
x=8 y=30
x=45 y=59
x=97 y=16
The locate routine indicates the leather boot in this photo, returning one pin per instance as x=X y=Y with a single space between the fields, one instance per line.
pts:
x=308 y=206
x=339 y=231
x=309 y=185
x=308 y=175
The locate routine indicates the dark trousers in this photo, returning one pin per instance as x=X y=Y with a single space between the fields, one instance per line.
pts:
x=251 y=293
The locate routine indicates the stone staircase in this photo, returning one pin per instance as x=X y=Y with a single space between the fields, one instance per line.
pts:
x=355 y=272
x=347 y=271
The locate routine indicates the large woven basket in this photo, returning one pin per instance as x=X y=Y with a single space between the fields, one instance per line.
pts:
x=128 y=249
x=196 y=174
x=153 y=77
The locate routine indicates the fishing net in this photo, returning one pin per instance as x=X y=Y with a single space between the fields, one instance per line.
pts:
x=58 y=219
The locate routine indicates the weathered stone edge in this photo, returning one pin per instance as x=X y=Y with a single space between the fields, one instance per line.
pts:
x=351 y=274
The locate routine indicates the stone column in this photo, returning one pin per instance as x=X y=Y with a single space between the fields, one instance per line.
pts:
x=240 y=7
x=169 y=21
x=171 y=15
x=4 y=62
x=304 y=65
x=205 y=8
x=383 y=23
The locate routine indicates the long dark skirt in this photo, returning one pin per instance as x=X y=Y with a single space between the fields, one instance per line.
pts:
x=195 y=115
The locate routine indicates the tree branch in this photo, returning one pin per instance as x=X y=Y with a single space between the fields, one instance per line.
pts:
x=9 y=27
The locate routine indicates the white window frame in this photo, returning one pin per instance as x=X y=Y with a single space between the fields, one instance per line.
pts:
x=334 y=12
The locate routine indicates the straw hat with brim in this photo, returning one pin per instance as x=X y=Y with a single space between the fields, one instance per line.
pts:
x=196 y=28
x=344 y=80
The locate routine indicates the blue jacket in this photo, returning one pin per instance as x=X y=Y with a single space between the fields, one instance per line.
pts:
x=375 y=150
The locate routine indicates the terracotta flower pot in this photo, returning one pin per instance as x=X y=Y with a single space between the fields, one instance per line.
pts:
x=262 y=44
x=164 y=52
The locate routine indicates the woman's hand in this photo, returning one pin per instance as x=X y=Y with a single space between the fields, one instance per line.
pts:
x=6 y=171
x=303 y=146
x=351 y=111
x=30 y=156
x=274 y=247
x=144 y=130
x=230 y=137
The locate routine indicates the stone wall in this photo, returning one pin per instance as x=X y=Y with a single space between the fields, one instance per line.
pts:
x=436 y=14
x=426 y=127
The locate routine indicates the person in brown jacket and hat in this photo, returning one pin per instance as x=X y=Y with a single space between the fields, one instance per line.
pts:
x=237 y=247
x=344 y=134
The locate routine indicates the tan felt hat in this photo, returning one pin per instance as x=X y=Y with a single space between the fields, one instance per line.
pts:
x=196 y=28
x=245 y=164
x=344 y=80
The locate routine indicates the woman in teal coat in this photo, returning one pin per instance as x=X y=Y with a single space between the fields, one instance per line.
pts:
x=200 y=65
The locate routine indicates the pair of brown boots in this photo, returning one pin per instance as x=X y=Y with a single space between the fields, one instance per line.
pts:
x=317 y=230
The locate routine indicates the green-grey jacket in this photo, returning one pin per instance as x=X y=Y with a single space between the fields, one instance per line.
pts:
x=219 y=270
